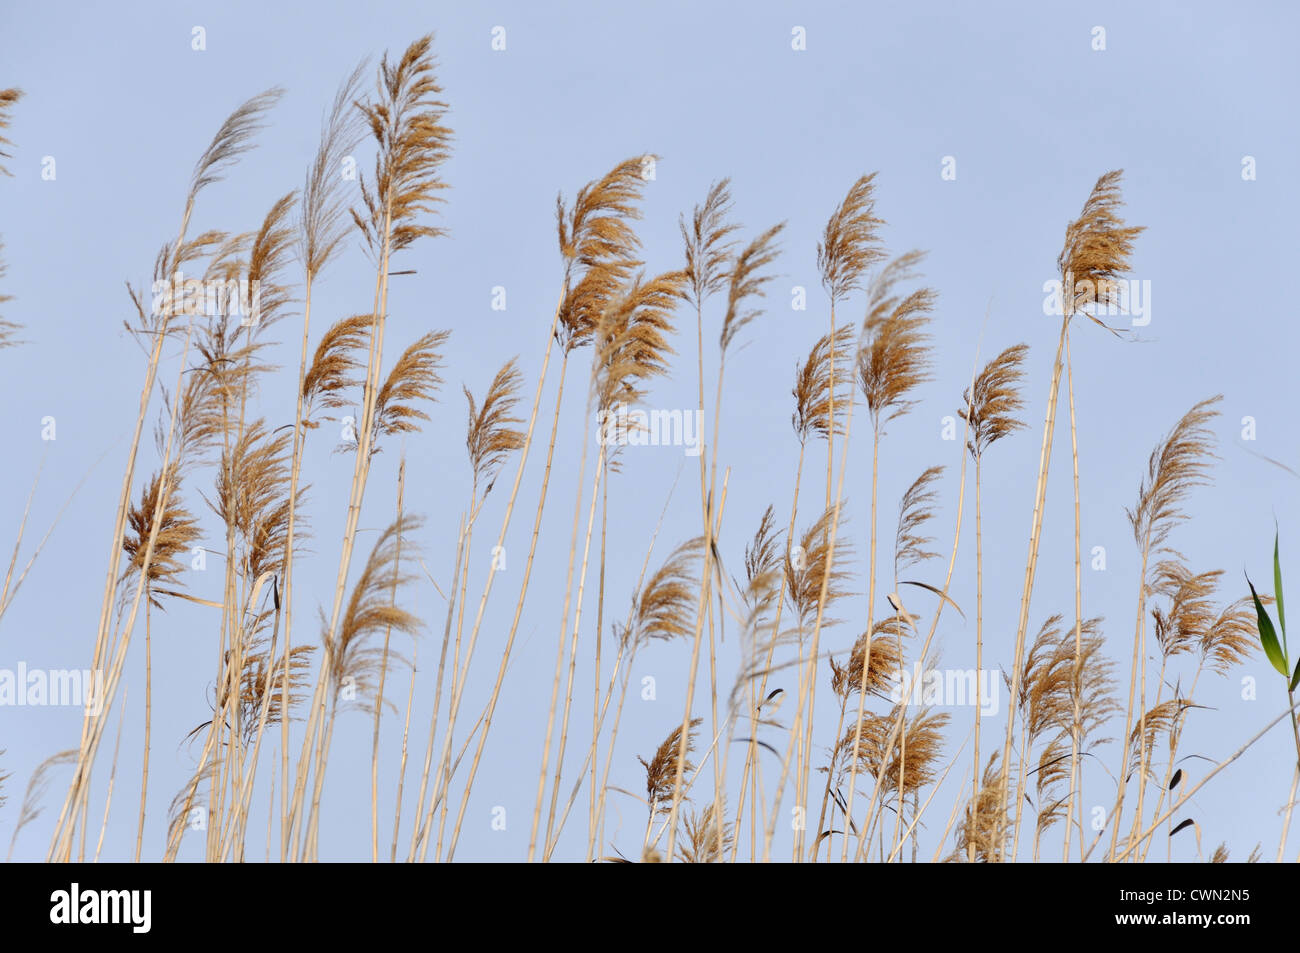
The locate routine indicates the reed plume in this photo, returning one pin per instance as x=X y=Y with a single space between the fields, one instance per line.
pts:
x=762 y=563
x=1096 y=251
x=370 y=611
x=233 y=139
x=631 y=347
x=875 y=661
x=709 y=245
x=669 y=763
x=1063 y=693
x=322 y=227
x=895 y=360
x=8 y=97
x=813 y=387
x=252 y=497
x=596 y=228
x=1188 y=623
x=880 y=749
x=710 y=251
x=848 y=248
x=37 y=786
x=849 y=244
x=598 y=249
x=177 y=533
x=915 y=509
x=990 y=408
x=491 y=436
x=323 y=224
x=1179 y=627
x=406 y=120
x=985 y=827
x=265 y=683
x=992 y=404
x=330 y=375
x=1177 y=465
x=810 y=564
x=7 y=328
x=632 y=340
x=892 y=360
x=414 y=377
x=747 y=279
x=664 y=608
x=707 y=836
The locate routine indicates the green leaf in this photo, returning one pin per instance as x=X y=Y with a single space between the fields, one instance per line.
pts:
x=1277 y=591
x=1267 y=635
x=1295 y=679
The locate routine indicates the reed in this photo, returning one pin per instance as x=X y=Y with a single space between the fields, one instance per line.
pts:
x=226 y=476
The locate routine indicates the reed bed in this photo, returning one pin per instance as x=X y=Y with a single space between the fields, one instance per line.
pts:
x=804 y=750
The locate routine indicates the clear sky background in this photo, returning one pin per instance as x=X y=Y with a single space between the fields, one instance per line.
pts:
x=1014 y=92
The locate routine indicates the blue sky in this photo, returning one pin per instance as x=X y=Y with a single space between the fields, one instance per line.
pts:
x=1014 y=92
